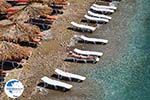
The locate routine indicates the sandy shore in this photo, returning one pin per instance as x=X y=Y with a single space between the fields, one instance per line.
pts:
x=51 y=53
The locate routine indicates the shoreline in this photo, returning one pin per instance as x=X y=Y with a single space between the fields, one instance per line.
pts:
x=51 y=53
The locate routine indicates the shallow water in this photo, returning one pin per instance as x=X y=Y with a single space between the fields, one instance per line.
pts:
x=127 y=77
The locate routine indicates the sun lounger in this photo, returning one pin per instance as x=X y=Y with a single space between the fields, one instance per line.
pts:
x=101 y=9
x=98 y=15
x=78 y=60
x=56 y=83
x=88 y=53
x=96 y=19
x=94 y=40
x=83 y=27
x=69 y=75
x=105 y=7
x=40 y=20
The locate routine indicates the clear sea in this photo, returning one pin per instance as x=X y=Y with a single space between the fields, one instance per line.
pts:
x=127 y=76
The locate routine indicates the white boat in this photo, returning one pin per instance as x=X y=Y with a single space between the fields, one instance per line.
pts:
x=56 y=83
x=98 y=15
x=88 y=53
x=83 y=27
x=87 y=39
x=104 y=7
x=96 y=19
x=69 y=75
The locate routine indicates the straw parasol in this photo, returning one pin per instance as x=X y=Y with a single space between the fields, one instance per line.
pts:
x=13 y=52
x=20 y=32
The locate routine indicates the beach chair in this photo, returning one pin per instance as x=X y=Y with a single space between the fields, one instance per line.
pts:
x=103 y=10
x=83 y=27
x=80 y=60
x=104 y=7
x=56 y=84
x=90 y=18
x=99 y=15
x=88 y=53
x=92 y=40
x=69 y=75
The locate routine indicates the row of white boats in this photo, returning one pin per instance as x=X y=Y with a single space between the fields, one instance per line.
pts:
x=77 y=55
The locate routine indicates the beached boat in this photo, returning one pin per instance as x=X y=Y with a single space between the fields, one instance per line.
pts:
x=83 y=38
x=103 y=10
x=104 y=7
x=88 y=53
x=83 y=27
x=80 y=60
x=90 y=18
x=56 y=83
x=99 y=15
x=69 y=75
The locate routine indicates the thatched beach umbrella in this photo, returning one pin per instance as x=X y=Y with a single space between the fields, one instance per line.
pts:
x=4 y=5
x=31 y=10
x=20 y=33
x=13 y=52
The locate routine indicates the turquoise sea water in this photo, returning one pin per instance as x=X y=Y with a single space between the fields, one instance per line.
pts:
x=128 y=76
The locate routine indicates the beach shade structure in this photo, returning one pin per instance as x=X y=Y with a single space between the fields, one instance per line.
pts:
x=84 y=39
x=21 y=33
x=102 y=10
x=97 y=20
x=104 y=7
x=60 y=2
x=62 y=75
x=82 y=60
x=99 y=15
x=31 y=10
x=87 y=53
x=82 y=27
x=11 y=54
x=4 y=5
x=58 y=85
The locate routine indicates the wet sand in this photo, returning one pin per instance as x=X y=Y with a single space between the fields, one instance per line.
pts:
x=51 y=53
